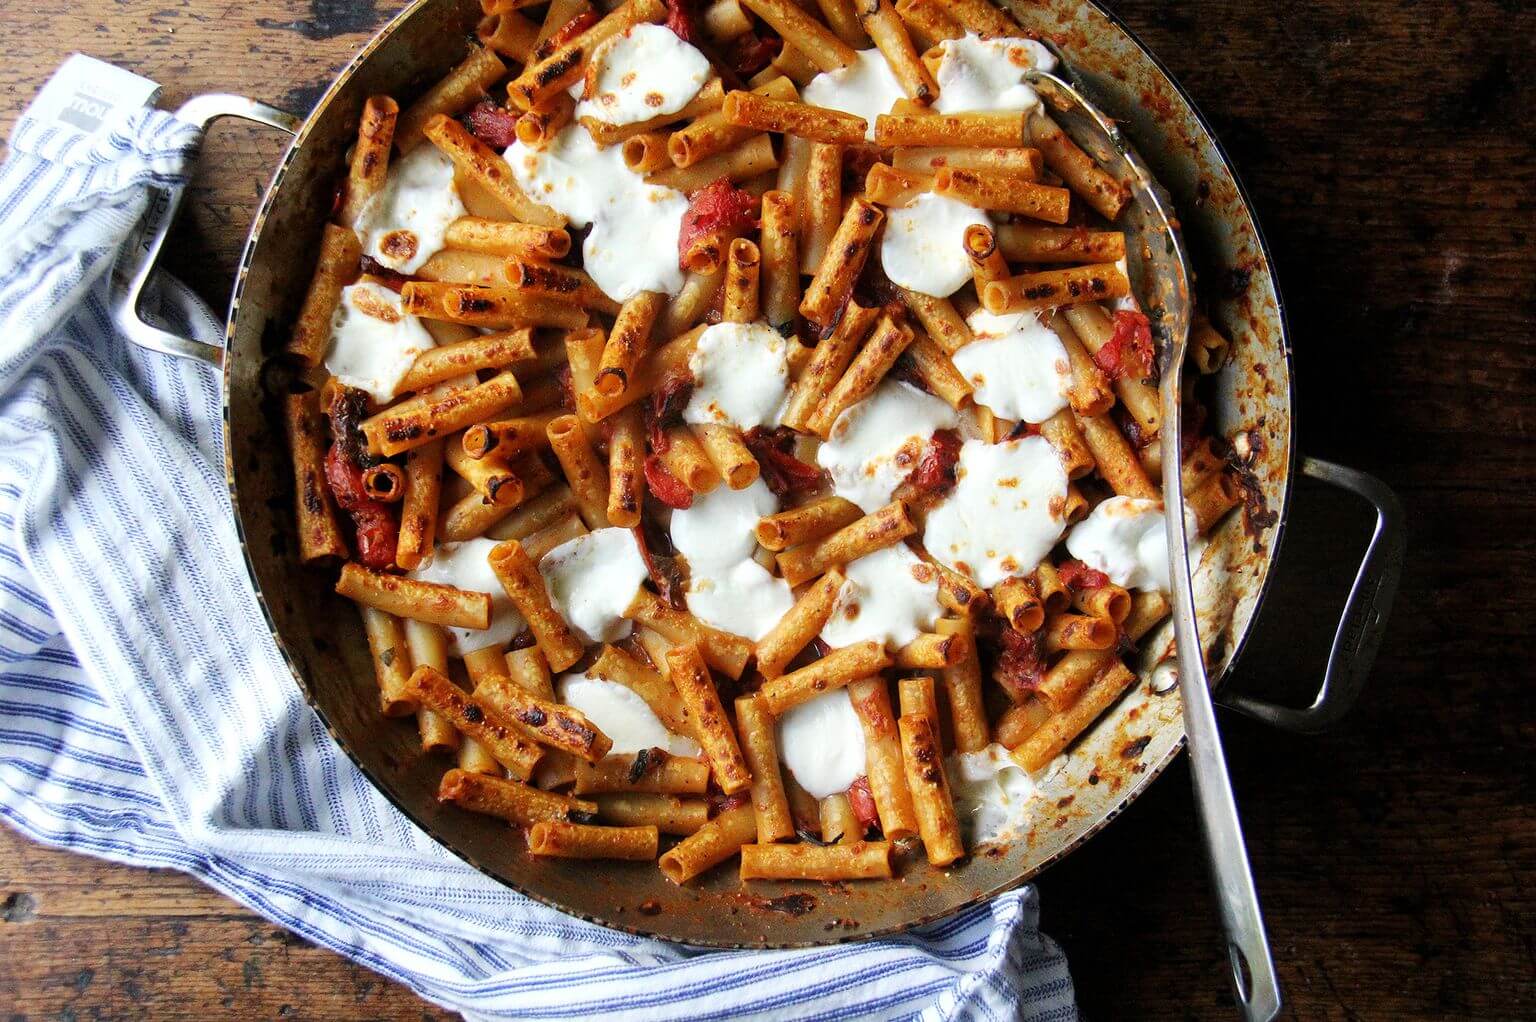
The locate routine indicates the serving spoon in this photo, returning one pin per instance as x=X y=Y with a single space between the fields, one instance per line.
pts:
x=1159 y=266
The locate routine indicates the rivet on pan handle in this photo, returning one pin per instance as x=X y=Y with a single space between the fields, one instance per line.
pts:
x=138 y=259
x=1365 y=611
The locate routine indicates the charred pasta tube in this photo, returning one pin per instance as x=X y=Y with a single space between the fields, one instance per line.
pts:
x=489 y=351
x=512 y=801
x=659 y=694
x=1004 y=193
x=504 y=238
x=585 y=841
x=807 y=35
x=751 y=110
x=1032 y=243
x=928 y=160
x=885 y=345
x=428 y=645
x=1085 y=177
x=924 y=762
x=587 y=476
x=1062 y=728
x=652 y=772
x=369 y=165
x=1053 y=288
x=564 y=67
x=629 y=342
x=474 y=719
x=407 y=597
x=690 y=676
x=548 y=723
x=780 y=274
x=713 y=133
x=390 y=432
x=829 y=361
x=626 y=461
x=319 y=535
x=989 y=130
x=980 y=17
x=850 y=246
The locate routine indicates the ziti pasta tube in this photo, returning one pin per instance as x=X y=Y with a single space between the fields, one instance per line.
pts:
x=821 y=517
x=835 y=670
x=742 y=269
x=523 y=583
x=1062 y=728
x=806 y=34
x=712 y=133
x=1021 y=162
x=618 y=666
x=488 y=351
x=626 y=466
x=506 y=438
x=780 y=274
x=829 y=361
x=751 y=110
x=873 y=532
x=486 y=167
x=467 y=82
x=712 y=844
x=391 y=662
x=799 y=625
x=651 y=772
x=1050 y=289
x=391 y=432
x=629 y=341
x=586 y=475
x=1116 y=461
x=999 y=129
x=586 y=841
x=760 y=746
x=723 y=651
x=828 y=291
x=548 y=723
x=503 y=238
x=475 y=720
x=565 y=65
x=1003 y=193
x=962 y=684
x=980 y=17
x=408 y=597
x=319 y=535
x=884 y=346
x=667 y=813
x=882 y=758
x=369 y=165
x=340 y=253
x=1085 y=177
x=860 y=860
x=890 y=36
x=931 y=799
x=509 y=800
x=428 y=644
x=690 y=676
x=1033 y=243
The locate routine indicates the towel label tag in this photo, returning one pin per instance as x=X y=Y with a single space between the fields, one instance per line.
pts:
x=85 y=93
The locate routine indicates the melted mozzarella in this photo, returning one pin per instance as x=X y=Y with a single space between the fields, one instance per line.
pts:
x=373 y=340
x=727 y=589
x=632 y=246
x=1016 y=365
x=988 y=74
x=403 y=225
x=622 y=715
x=1125 y=538
x=740 y=375
x=891 y=596
x=591 y=581
x=924 y=244
x=990 y=792
x=644 y=73
x=1005 y=512
x=865 y=88
x=467 y=566
x=821 y=742
x=875 y=444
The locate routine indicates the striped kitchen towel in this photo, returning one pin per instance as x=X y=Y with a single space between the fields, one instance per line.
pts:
x=146 y=717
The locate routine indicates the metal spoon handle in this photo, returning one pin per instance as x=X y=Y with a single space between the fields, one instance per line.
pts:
x=1254 y=982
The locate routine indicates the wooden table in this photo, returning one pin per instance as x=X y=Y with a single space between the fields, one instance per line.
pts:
x=1387 y=149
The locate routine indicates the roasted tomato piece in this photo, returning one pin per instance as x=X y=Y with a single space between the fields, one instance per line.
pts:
x=718 y=206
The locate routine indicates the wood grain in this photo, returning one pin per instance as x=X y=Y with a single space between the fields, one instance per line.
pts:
x=1387 y=148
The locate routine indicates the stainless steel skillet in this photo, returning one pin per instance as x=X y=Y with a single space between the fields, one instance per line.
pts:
x=322 y=641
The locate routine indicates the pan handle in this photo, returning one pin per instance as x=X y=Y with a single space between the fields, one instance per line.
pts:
x=138 y=259
x=1365 y=611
